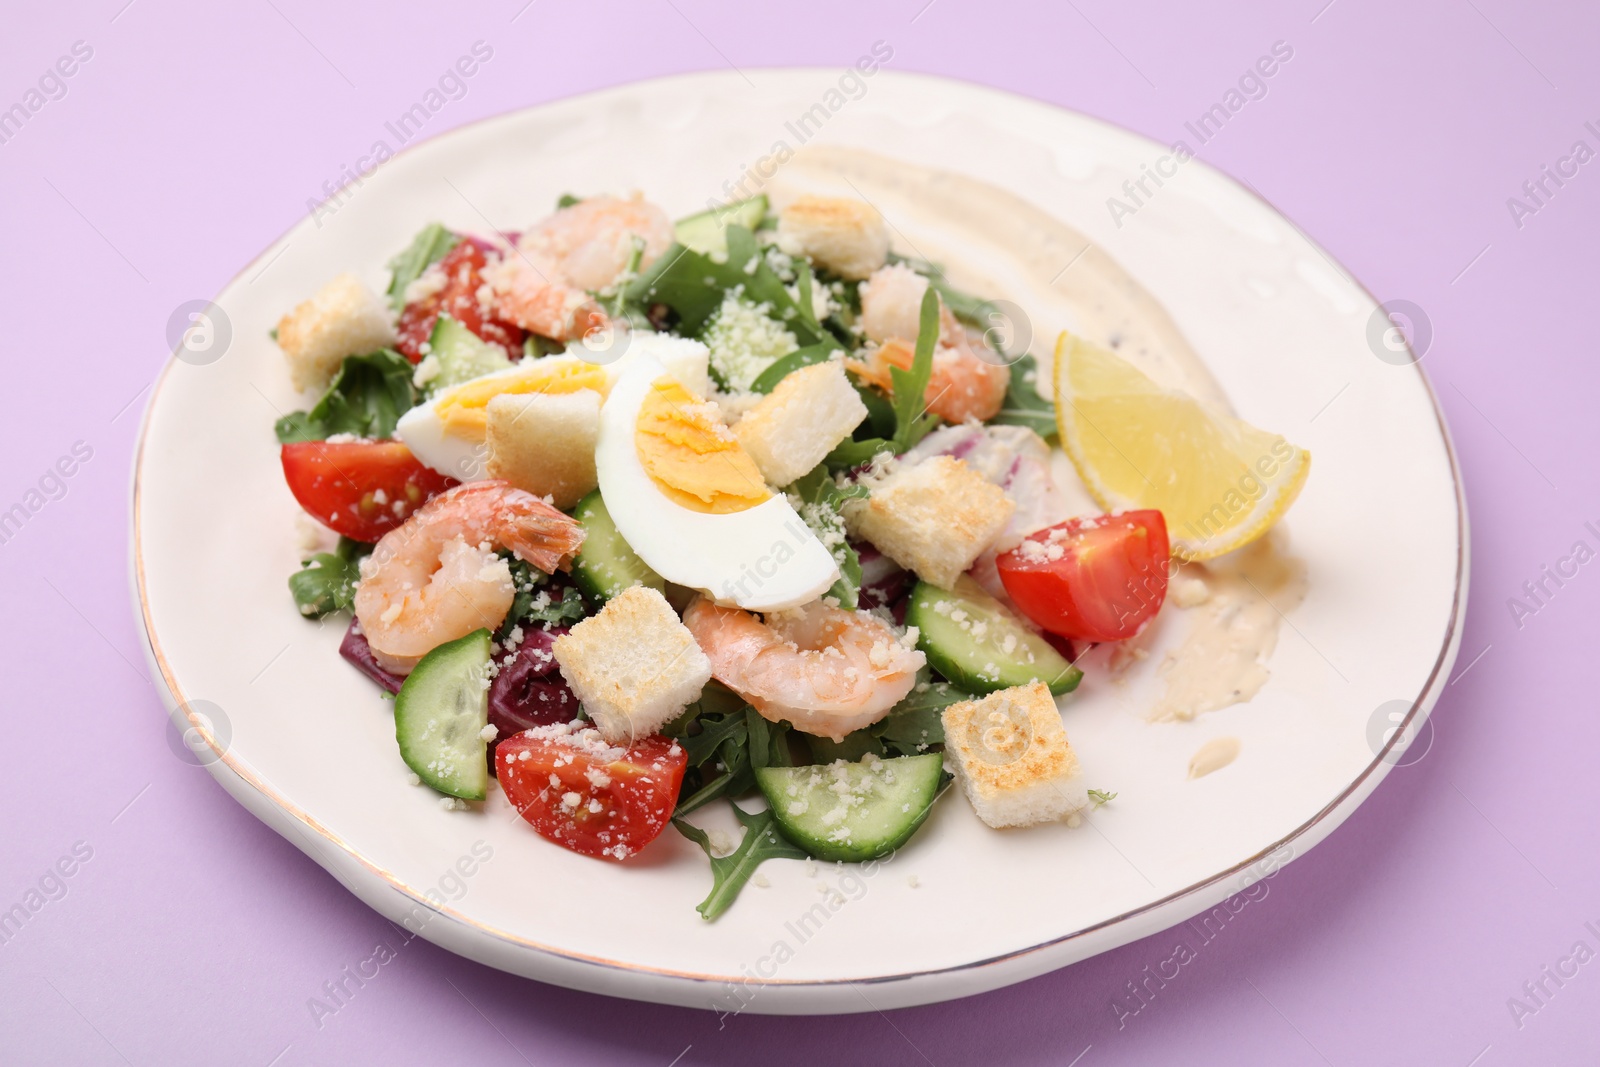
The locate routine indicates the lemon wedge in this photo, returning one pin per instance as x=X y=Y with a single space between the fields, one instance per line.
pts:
x=1220 y=482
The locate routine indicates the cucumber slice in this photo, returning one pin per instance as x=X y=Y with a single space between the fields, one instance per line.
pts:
x=605 y=565
x=978 y=644
x=707 y=232
x=462 y=354
x=853 y=811
x=440 y=713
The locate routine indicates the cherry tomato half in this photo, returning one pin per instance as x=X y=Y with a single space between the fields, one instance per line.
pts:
x=597 y=799
x=362 y=489
x=1095 y=579
x=459 y=300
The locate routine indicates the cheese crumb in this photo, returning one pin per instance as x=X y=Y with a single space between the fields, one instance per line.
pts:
x=745 y=340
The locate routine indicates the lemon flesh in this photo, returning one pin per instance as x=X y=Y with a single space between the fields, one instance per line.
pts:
x=1220 y=482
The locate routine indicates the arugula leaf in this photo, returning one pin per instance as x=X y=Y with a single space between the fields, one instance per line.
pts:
x=916 y=723
x=715 y=788
x=701 y=747
x=327 y=581
x=761 y=842
x=567 y=200
x=526 y=606
x=850 y=748
x=768 y=379
x=615 y=299
x=802 y=288
x=570 y=608
x=822 y=502
x=737 y=776
x=536 y=347
x=1100 y=796
x=1024 y=405
x=524 y=579
x=880 y=414
x=759 y=730
x=693 y=285
x=848 y=454
x=366 y=398
x=909 y=388
x=715 y=699
x=425 y=249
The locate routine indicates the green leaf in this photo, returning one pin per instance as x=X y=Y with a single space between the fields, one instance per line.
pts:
x=768 y=379
x=909 y=387
x=532 y=604
x=880 y=414
x=705 y=794
x=760 y=733
x=327 y=581
x=693 y=285
x=1100 y=797
x=366 y=398
x=1024 y=406
x=567 y=200
x=916 y=722
x=848 y=454
x=425 y=249
x=822 y=503
x=802 y=287
x=570 y=608
x=701 y=747
x=536 y=347
x=761 y=842
x=778 y=754
x=742 y=248
x=615 y=301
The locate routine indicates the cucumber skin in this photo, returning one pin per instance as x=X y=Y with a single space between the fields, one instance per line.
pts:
x=772 y=781
x=597 y=577
x=475 y=785
x=934 y=632
x=703 y=232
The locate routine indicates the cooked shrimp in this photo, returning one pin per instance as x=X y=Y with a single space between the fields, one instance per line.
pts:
x=891 y=304
x=593 y=239
x=438 y=578
x=544 y=283
x=963 y=384
x=826 y=670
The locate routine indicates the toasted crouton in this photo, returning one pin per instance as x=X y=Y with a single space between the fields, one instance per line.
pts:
x=345 y=318
x=544 y=443
x=934 y=517
x=633 y=666
x=1012 y=758
x=846 y=236
x=800 y=421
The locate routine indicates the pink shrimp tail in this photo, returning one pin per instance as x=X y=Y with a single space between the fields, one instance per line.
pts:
x=545 y=538
x=536 y=532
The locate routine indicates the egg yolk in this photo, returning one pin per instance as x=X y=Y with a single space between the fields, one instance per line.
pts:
x=691 y=455
x=464 y=409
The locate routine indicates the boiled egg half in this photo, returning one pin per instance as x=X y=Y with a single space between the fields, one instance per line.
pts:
x=690 y=501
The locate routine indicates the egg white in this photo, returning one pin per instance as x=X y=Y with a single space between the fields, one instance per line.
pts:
x=763 y=558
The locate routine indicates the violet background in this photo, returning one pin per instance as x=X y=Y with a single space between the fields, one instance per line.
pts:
x=196 y=134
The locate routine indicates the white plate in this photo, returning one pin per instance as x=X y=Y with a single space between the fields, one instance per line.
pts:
x=307 y=744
